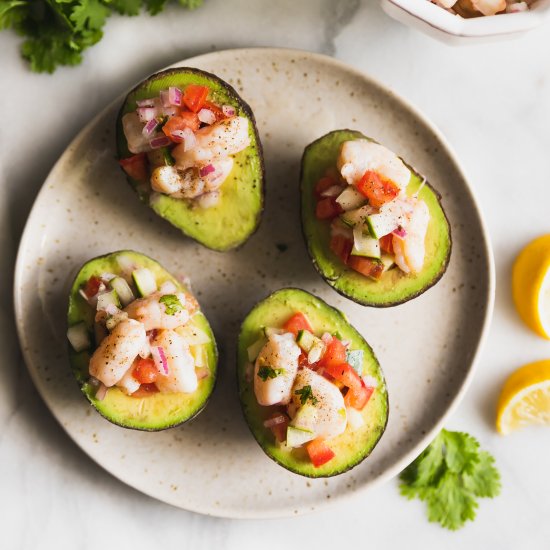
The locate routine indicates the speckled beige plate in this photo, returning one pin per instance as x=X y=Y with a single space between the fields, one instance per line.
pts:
x=212 y=465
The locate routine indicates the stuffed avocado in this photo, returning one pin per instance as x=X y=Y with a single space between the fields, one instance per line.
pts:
x=375 y=230
x=141 y=350
x=189 y=146
x=311 y=388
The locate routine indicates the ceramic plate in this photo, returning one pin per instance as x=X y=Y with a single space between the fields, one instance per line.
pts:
x=212 y=465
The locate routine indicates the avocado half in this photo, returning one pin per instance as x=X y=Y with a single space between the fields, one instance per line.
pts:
x=157 y=411
x=351 y=447
x=395 y=287
x=237 y=215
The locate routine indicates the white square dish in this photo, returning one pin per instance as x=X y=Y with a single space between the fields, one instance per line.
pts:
x=453 y=29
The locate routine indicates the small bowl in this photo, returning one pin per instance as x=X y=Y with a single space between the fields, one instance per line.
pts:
x=453 y=29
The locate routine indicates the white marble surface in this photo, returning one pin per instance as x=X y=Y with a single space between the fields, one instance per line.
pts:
x=493 y=104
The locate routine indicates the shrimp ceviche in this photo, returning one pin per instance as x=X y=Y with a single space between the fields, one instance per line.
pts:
x=313 y=389
x=146 y=338
x=374 y=224
x=476 y=8
x=184 y=143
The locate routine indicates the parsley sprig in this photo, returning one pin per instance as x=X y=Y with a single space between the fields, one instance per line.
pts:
x=449 y=476
x=58 y=31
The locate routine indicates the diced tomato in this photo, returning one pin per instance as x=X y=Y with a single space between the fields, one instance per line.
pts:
x=319 y=452
x=297 y=323
x=215 y=109
x=334 y=355
x=327 y=209
x=358 y=397
x=279 y=430
x=323 y=184
x=345 y=374
x=184 y=120
x=341 y=246
x=136 y=167
x=195 y=96
x=145 y=390
x=145 y=371
x=302 y=360
x=377 y=189
x=366 y=266
x=92 y=286
x=386 y=243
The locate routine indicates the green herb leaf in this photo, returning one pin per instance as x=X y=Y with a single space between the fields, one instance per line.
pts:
x=306 y=393
x=449 y=476
x=171 y=303
x=268 y=372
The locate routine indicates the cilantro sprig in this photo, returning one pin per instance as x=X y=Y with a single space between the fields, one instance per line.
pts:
x=56 y=32
x=450 y=475
x=171 y=303
x=306 y=393
x=269 y=372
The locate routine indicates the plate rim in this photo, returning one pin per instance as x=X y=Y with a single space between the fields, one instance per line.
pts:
x=489 y=299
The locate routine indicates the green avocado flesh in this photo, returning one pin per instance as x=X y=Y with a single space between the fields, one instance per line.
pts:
x=157 y=411
x=237 y=215
x=395 y=286
x=352 y=446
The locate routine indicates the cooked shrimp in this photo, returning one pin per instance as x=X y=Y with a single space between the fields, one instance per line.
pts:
x=485 y=7
x=181 y=375
x=329 y=416
x=215 y=142
x=133 y=130
x=189 y=184
x=275 y=370
x=411 y=249
x=152 y=313
x=128 y=384
x=358 y=156
x=117 y=351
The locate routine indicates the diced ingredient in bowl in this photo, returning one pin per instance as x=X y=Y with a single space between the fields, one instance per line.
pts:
x=478 y=8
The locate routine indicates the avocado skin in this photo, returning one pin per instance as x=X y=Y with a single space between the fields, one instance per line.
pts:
x=306 y=196
x=243 y=108
x=79 y=361
x=294 y=299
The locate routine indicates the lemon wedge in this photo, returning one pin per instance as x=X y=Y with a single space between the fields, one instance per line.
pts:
x=525 y=398
x=531 y=285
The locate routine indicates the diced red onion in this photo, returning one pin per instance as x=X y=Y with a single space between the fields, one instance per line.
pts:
x=161 y=141
x=146 y=102
x=159 y=358
x=150 y=127
x=275 y=421
x=202 y=372
x=107 y=277
x=101 y=392
x=517 y=8
x=346 y=343
x=228 y=110
x=332 y=191
x=147 y=113
x=327 y=338
x=207 y=116
x=205 y=170
x=400 y=232
x=208 y=200
x=111 y=309
x=370 y=381
x=174 y=96
x=168 y=287
x=165 y=98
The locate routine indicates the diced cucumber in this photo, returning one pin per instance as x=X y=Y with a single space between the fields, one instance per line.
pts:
x=357 y=216
x=122 y=288
x=382 y=223
x=364 y=244
x=387 y=260
x=296 y=437
x=145 y=281
x=305 y=339
x=199 y=355
x=106 y=299
x=78 y=337
x=254 y=350
x=350 y=198
x=317 y=351
x=355 y=359
x=193 y=335
x=305 y=417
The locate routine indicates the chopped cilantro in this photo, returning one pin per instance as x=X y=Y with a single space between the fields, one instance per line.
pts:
x=449 y=476
x=306 y=393
x=56 y=32
x=168 y=158
x=268 y=372
x=171 y=303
